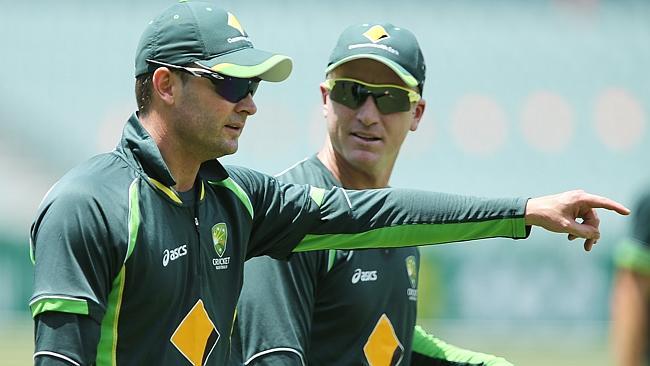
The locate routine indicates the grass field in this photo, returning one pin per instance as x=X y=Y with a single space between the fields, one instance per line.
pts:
x=530 y=345
x=16 y=341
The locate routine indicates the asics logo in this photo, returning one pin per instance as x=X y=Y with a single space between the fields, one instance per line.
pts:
x=172 y=255
x=363 y=276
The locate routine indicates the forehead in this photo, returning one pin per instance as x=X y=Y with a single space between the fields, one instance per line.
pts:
x=370 y=71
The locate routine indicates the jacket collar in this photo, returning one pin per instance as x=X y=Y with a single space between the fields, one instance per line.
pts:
x=139 y=146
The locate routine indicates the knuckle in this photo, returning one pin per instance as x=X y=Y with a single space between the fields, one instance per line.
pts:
x=577 y=194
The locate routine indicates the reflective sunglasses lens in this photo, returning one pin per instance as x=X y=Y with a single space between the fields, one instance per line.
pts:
x=387 y=99
x=235 y=89
x=391 y=100
x=349 y=93
x=253 y=87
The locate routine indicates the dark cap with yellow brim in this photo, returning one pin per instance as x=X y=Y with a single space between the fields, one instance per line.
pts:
x=200 y=32
x=395 y=47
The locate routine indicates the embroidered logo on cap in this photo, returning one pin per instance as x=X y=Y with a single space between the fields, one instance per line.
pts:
x=233 y=22
x=376 y=33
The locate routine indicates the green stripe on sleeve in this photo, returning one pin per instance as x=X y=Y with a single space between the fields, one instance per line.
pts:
x=134 y=217
x=633 y=255
x=416 y=234
x=107 y=347
x=432 y=347
x=239 y=192
x=60 y=304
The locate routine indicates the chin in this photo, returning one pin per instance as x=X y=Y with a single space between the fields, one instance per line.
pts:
x=227 y=149
x=232 y=150
x=363 y=158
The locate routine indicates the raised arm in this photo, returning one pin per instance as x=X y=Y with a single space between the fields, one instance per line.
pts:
x=308 y=218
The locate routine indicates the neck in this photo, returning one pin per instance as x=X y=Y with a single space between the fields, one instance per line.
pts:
x=181 y=163
x=351 y=176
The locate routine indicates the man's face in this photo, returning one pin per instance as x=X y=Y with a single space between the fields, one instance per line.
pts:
x=363 y=137
x=209 y=125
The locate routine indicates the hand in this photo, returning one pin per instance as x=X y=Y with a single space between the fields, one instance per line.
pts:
x=558 y=213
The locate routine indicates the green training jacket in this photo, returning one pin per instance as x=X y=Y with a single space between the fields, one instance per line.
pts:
x=127 y=273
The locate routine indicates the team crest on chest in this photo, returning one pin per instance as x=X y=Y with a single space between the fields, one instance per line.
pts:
x=220 y=241
x=412 y=272
x=220 y=238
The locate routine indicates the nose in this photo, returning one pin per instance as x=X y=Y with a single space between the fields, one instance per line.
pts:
x=246 y=105
x=368 y=113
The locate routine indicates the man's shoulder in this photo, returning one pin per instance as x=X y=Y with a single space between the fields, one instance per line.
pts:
x=102 y=177
x=308 y=171
x=237 y=171
x=249 y=180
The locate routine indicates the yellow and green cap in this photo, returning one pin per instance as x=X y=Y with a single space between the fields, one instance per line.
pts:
x=200 y=32
x=393 y=46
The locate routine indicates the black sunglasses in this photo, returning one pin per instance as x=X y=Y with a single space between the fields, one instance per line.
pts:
x=230 y=88
x=388 y=98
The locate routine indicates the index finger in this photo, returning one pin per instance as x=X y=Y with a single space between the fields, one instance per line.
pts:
x=595 y=201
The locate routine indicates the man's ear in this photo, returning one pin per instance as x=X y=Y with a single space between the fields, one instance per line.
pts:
x=162 y=81
x=324 y=92
x=417 y=112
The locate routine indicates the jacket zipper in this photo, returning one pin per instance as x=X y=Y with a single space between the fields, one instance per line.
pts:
x=199 y=265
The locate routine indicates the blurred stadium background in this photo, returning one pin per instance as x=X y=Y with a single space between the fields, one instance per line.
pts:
x=524 y=98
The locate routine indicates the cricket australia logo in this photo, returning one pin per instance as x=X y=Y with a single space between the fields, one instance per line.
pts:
x=412 y=272
x=220 y=241
x=220 y=238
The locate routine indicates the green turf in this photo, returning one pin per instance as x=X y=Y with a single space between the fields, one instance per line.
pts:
x=16 y=342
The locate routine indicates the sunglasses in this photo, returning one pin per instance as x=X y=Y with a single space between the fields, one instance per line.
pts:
x=388 y=98
x=230 y=88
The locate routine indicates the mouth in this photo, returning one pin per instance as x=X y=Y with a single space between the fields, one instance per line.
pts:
x=236 y=127
x=365 y=137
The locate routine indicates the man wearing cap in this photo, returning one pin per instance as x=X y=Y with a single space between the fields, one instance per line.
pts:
x=139 y=252
x=337 y=307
